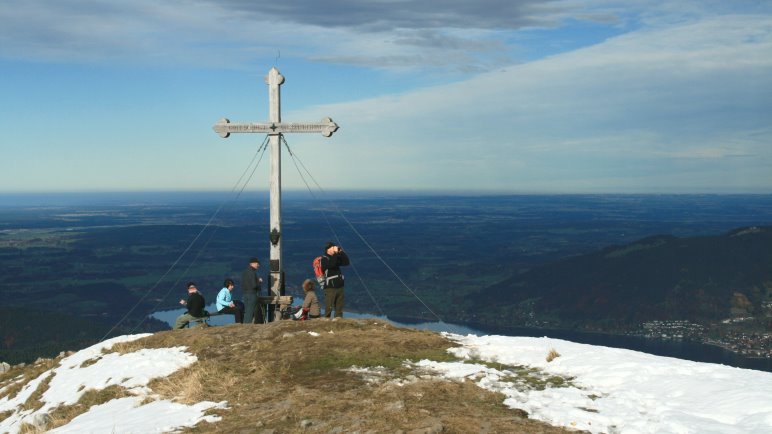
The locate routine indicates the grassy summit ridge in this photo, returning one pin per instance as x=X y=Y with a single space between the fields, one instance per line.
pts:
x=318 y=376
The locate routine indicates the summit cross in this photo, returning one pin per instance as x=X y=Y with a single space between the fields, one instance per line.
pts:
x=275 y=128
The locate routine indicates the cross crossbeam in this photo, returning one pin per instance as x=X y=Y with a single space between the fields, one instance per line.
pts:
x=224 y=127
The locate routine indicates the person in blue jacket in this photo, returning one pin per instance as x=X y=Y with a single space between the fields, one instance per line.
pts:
x=226 y=304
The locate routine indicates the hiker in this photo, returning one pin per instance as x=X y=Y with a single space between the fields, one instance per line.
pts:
x=334 y=257
x=226 y=303
x=250 y=285
x=311 y=308
x=195 y=304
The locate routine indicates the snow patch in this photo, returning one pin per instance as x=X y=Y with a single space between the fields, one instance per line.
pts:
x=91 y=369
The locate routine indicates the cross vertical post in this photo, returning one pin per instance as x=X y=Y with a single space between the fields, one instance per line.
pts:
x=275 y=128
x=274 y=80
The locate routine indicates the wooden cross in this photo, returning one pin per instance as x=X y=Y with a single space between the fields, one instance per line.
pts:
x=275 y=128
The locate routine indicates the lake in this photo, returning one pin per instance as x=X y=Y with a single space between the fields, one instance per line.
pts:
x=169 y=316
x=680 y=349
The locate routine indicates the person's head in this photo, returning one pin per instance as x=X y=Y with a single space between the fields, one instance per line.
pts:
x=229 y=284
x=254 y=263
x=330 y=248
x=308 y=285
x=192 y=287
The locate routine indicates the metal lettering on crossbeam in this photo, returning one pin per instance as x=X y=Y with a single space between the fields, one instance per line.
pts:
x=275 y=128
x=224 y=128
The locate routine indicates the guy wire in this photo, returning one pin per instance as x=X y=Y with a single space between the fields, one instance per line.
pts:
x=262 y=148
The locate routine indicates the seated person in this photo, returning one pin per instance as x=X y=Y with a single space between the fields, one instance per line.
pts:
x=195 y=304
x=311 y=308
x=226 y=303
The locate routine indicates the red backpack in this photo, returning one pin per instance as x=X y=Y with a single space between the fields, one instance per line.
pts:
x=320 y=277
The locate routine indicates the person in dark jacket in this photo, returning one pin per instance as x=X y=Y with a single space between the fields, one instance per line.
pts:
x=195 y=304
x=334 y=257
x=250 y=285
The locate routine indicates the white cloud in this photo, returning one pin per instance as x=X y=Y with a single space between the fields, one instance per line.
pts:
x=699 y=91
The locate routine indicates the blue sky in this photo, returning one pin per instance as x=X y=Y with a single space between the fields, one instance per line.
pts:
x=494 y=95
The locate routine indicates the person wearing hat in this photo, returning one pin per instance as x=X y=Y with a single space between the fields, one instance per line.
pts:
x=195 y=304
x=334 y=257
x=250 y=285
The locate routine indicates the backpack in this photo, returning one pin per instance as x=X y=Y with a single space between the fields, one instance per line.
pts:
x=320 y=277
x=295 y=313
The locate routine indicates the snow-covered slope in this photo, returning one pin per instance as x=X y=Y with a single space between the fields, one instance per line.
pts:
x=604 y=390
x=92 y=369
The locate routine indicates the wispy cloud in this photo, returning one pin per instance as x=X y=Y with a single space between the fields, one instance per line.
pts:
x=654 y=98
x=383 y=34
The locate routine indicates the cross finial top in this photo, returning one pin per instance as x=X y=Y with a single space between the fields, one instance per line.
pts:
x=274 y=77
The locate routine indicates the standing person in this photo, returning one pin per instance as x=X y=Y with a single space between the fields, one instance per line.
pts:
x=226 y=303
x=195 y=304
x=334 y=257
x=250 y=284
x=311 y=308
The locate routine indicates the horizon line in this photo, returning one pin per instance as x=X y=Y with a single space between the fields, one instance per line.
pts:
x=436 y=191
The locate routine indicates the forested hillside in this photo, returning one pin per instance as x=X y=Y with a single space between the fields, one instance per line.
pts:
x=699 y=279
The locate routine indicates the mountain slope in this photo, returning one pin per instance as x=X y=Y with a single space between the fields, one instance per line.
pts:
x=300 y=377
x=366 y=376
x=656 y=278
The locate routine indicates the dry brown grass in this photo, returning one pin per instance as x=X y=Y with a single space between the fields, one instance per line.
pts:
x=525 y=378
x=124 y=347
x=552 y=355
x=89 y=362
x=10 y=389
x=16 y=378
x=27 y=373
x=33 y=402
x=200 y=382
x=30 y=429
x=5 y=414
x=8 y=376
x=279 y=377
x=63 y=414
